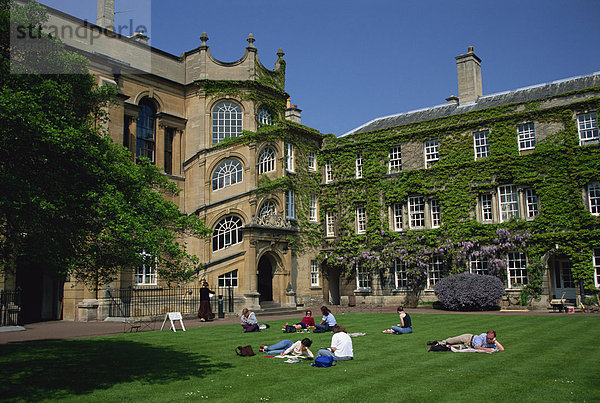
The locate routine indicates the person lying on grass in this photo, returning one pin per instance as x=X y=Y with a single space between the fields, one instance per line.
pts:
x=484 y=341
x=405 y=325
x=341 y=345
x=286 y=347
x=307 y=322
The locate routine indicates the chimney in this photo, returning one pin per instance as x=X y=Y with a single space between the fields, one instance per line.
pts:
x=292 y=113
x=106 y=14
x=468 y=69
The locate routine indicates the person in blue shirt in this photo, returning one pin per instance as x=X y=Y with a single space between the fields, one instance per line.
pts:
x=484 y=341
x=327 y=321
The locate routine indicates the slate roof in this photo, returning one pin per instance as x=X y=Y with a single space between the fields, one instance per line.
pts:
x=526 y=94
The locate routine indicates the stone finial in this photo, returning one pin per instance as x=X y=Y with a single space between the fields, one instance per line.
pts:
x=203 y=38
x=250 y=40
x=280 y=52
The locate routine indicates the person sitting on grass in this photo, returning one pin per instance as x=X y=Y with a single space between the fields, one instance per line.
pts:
x=327 y=321
x=484 y=341
x=405 y=325
x=286 y=347
x=307 y=322
x=341 y=345
x=249 y=321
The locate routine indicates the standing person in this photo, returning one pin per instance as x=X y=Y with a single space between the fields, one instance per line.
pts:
x=405 y=325
x=484 y=341
x=249 y=321
x=341 y=345
x=307 y=322
x=327 y=321
x=285 y=347
x=205 y=312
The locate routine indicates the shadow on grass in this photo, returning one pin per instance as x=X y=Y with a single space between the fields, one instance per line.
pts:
x=47 y=370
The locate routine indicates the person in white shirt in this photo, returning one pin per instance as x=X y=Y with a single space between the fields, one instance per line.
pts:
x=286 y=347
x=341 y=345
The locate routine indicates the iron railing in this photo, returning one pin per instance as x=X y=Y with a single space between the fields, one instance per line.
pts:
x=10 y=307
x=153 y=302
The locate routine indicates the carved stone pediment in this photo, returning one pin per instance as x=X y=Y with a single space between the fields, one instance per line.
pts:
x=272 y=221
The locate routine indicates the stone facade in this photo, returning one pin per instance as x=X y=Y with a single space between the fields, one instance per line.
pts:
x=261 y=261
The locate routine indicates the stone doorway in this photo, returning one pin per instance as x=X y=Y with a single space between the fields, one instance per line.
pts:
x=265 y=279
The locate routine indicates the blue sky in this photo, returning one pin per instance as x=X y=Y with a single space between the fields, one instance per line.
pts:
x=351 y=61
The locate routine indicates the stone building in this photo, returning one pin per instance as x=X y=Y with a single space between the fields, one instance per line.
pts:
x=301 y=219
x=505 y=184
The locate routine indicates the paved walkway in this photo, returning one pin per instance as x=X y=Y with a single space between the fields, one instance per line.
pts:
x=62 y=330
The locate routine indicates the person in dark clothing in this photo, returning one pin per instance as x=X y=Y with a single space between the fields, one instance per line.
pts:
x=205 y=312
x=405 y=325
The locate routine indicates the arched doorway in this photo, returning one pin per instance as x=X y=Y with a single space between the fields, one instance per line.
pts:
x=265 y=279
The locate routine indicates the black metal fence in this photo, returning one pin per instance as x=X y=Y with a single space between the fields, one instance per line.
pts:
x=149 y=302
x=10 y=308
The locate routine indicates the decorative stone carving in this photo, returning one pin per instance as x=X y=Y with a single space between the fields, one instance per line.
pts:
x=272 y=220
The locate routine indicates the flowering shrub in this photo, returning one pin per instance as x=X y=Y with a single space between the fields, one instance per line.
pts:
x=469 y=292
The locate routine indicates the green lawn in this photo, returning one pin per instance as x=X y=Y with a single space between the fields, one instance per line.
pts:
x=547 y=358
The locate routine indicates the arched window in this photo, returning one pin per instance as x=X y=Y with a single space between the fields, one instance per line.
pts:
x=266 y=160
x=227 y=232
x=146 y=130
x=226 y=121
x=227 y=173
x=264 y=117
x=268 y=208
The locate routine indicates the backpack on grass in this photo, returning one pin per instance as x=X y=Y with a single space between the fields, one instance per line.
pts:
x=324 y=361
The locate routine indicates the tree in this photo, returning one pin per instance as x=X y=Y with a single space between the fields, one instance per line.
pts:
x=70 y=198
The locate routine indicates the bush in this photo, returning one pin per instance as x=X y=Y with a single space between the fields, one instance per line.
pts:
x=470 y=292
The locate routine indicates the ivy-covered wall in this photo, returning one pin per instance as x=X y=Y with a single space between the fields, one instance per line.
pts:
x=558 y=169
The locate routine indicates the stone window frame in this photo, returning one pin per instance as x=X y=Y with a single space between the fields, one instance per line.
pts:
x=227 y=120
x=363 y=279
x=395 y=159
x=313 y=212
x=329 y=224
x=532 y=204
x=289 y=157
x=596 y=264
x=587 y=128
x=358 y=171
x=481 y=144
x=314 y=274
x=269 y=207
x=229 y=279
x=400 y=276
x=145 y=273
x=516 y=270
x=416 y=217
x=267 y=160
x=592 y=197
x=361 y=219
x=478 y=264
x=227 y=173
x=227 y=232
x=435 y=213
x=526 y=136
x=432 y=152
x=290 y=205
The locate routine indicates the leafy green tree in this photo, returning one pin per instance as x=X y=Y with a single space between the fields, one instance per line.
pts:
x=70 y=198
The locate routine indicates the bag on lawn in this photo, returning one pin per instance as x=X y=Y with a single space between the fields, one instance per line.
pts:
x=324 y=361
x=245 y=351
x=439 y=347
x=263 y=326
x=289 y=329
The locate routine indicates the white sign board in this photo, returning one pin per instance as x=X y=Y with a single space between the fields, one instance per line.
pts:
x=173 y=316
